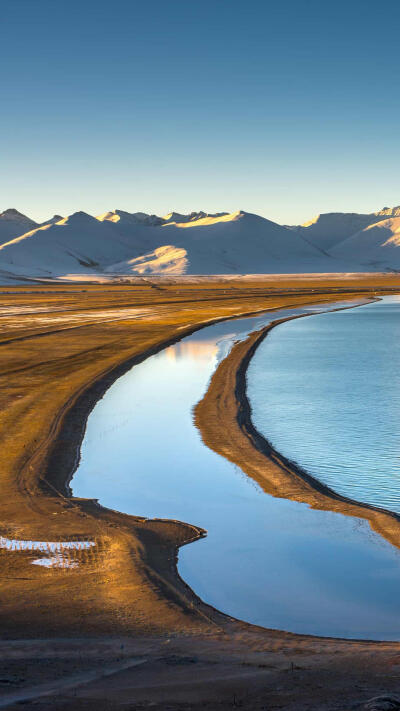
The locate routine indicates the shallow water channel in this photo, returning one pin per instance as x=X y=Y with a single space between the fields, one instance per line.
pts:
x=268 y=561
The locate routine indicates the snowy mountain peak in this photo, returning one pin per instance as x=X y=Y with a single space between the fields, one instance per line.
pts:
x=201 y=219
x=389 y=211
x=121 y=242
x=178 y=218
x=52 y=221
x=145 y=219
x=13 y=215
x=111 y=216
x=13 y=224
x=77 y=218
x=141 y=218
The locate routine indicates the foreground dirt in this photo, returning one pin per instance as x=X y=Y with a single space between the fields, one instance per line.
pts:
x=60 y=348
x=248 y=669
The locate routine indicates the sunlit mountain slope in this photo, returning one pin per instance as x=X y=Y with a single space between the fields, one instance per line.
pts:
x=228 y=244
x=328 y=229
x=119 y=242
x=126 y=243
x=377 y=246
x=13 y=224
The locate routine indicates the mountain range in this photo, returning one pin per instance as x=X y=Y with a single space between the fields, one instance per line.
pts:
x=119 y=243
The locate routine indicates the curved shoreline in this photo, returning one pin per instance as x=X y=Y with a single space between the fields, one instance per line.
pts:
x=127 y=594
x=144 y=592
x=62 y=461
x=58 y=457
x=63 y=454
x=224 y=420
x=177 y=587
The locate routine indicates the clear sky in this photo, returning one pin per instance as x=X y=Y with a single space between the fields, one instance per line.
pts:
x=285 y=108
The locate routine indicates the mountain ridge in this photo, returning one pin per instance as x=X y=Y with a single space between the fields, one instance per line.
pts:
x=327 y=229
x=119 y=242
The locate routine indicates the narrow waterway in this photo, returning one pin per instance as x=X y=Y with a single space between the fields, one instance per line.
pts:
x=268 y=561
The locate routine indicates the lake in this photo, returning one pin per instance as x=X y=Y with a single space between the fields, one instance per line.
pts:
x=268 y=561
x=325 y=391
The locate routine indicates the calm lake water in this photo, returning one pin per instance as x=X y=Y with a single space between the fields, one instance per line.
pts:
x=325 y=391
x=269 y=561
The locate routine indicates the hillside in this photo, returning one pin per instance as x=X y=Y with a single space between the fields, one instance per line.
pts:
x=78 y=243
x=136 y=243
x=328 y=229
x=13 y=224
x=228 y=244
x=377 y=246
x=119 y=242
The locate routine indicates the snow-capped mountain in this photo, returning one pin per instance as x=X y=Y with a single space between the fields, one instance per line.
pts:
x=13 y=224
x=77 y=243
x=378 y=245
x=227 y=244
x=178 y=218
x=327 y=230
x=125 y=220
x=123 y=243
x=119 y=242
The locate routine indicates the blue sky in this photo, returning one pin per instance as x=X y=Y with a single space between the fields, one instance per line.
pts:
x=282 y=108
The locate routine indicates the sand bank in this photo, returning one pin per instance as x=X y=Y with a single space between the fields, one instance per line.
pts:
x=224 y=419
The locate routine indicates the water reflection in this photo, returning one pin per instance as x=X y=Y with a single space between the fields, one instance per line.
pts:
x=269 y=561
x=202 y=350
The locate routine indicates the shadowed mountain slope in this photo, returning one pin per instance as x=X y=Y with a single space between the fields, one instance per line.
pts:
x=227 y=244
x=13 y=224
x=378 y=246
x=119 y=242
x=328 y=229
x=130 y=243
x=77 y=243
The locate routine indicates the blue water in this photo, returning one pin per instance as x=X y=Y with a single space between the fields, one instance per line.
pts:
x=326 y=392
x=269 y=561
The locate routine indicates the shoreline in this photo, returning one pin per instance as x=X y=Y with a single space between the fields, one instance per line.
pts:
x=72 y=425
x=86 y=401
x=82 y=403
x=225 y=424
x=126 y=588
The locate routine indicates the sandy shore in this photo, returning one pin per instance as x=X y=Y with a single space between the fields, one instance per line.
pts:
x=125 y=588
